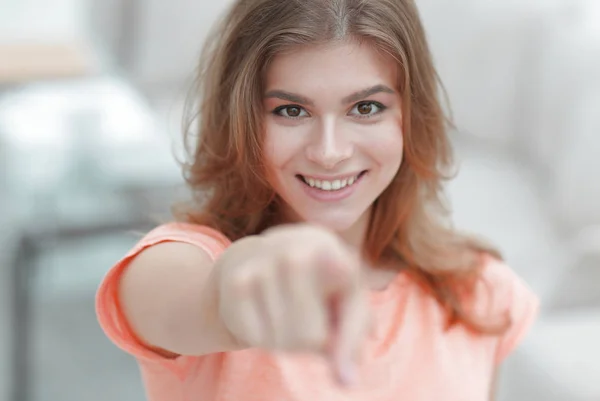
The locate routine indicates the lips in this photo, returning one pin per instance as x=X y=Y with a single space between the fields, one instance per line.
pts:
x=333 y=184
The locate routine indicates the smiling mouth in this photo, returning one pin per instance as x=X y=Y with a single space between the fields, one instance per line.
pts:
x=330 y=185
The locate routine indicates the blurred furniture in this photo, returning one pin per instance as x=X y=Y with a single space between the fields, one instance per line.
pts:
x=22 y=62
x=83 y=158
x=31 y=244
x=38 y=41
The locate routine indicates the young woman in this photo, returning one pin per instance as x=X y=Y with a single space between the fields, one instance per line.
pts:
x=318 y=242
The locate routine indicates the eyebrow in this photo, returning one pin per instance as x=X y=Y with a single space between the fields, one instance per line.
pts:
x=355 y=97
x=290 y=97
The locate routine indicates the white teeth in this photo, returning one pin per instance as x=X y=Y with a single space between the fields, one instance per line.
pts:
x=334 y=185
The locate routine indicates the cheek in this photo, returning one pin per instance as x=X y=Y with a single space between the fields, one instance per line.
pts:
x=392 y=147
x=273 y=147
x=386 y=146
x=281 y=146
x=279 y=151
x=270 y=158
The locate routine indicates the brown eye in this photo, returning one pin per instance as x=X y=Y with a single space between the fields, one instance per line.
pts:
x=293 y=111
x=365 y=108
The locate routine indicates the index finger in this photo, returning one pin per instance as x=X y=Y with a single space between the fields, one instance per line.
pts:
x=349 y=337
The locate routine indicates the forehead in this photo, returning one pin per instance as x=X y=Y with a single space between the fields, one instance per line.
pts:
x=341 y=66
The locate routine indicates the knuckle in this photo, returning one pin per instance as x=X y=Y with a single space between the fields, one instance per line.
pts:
x=242 y=283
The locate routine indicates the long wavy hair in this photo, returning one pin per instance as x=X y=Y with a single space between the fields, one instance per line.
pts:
x=409 y=224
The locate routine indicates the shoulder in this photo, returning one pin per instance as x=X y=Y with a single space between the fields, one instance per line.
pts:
x=500 y=280
x=504 y=293
x=181 y=234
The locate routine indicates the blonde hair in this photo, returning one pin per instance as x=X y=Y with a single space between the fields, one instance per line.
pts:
x=409 y=224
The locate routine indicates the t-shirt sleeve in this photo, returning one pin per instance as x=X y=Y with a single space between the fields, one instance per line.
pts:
x=108 y=309
x=517 y=301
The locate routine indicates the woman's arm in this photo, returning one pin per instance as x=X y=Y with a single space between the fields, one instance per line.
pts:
x=169 y=296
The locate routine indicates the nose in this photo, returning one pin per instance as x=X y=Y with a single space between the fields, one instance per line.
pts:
x=329 y=146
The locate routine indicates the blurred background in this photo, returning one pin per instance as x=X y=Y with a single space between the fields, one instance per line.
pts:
x=91 y=96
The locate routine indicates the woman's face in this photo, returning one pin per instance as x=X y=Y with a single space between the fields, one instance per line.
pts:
x=333 y=131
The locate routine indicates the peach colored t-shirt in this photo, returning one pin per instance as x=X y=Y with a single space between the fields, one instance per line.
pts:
x=408 y=357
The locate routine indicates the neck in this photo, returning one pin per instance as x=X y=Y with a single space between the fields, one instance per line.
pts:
x=355 y=235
